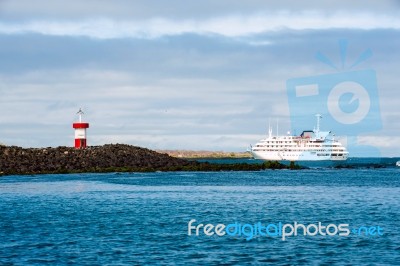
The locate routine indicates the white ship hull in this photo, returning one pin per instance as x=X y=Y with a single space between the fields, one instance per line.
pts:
x=296 y=156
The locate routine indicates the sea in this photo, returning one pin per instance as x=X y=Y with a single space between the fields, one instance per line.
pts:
x=320 y=215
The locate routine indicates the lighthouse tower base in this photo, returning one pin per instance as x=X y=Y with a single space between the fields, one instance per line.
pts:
x=80 y=135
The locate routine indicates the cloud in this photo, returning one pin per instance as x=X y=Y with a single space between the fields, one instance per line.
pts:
x=230 y=26
x=179 y=9
x=122 y=110
x=179 y=79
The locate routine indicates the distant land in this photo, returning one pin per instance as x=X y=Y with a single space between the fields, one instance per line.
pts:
x=188 y=154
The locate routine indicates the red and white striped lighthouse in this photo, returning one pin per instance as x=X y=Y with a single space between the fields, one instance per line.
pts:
x=80 y=132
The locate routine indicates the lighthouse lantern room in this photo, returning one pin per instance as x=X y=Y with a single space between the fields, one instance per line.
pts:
x=80 y=132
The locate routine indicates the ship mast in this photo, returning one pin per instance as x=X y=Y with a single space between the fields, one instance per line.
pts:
x=318 y=120
x=269 y=129
x=277 y=127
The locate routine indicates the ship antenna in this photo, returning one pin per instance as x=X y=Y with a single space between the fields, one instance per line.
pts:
x=269 y=128
x=277 y=127
x=318 y=120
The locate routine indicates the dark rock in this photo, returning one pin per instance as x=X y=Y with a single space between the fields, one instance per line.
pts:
x=106 y=158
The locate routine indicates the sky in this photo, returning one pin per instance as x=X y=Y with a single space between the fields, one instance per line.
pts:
x=197 y=75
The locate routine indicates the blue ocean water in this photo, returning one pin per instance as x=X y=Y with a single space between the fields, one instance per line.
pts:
x=142 y=218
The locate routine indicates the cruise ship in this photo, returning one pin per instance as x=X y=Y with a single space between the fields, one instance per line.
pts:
x=311 y=145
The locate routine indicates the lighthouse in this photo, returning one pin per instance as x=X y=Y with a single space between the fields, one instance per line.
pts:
x=80 y=132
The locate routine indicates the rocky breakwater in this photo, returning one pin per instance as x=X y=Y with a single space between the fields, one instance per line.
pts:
x=107 y=158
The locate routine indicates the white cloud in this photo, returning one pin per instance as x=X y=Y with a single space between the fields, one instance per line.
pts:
x=116 y=105
x=22 y=9
x=231 y=26
x=226 y=142
x=389 y=146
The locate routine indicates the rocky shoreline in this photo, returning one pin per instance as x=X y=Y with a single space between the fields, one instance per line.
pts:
x=189 y=154
x=107 y=158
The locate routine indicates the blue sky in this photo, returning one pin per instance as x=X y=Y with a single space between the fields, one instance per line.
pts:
x=202 y=75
